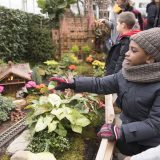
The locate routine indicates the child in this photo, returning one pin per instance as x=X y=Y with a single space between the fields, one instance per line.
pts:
x=138 y=88
x=125 y=23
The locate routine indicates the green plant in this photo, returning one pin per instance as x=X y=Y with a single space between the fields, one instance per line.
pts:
x=86 y=48
x=53 y=113
x=40 y=46
x=5 y=157
x=24 y=36
x=6 y=105
x=44 y=141
x=54 y=8
x=36 y=76
x=84 y=69
x=74 y=49
x=98 y=68
x=68 y=59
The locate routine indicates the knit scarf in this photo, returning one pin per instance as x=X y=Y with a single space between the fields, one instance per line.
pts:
x=145 y=73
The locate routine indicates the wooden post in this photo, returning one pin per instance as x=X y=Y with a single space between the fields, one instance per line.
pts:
x=106 y=148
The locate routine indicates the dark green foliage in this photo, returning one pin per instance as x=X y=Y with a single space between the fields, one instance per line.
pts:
x=6 y=105
x=13 y=31
x=40 y=47
x=44 y=141
x=54 y=8
x=36 y=76
x=24 y=36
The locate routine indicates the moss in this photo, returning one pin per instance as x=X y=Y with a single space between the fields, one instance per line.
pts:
x=89 y=132
x=5 y=157
x=76 y=152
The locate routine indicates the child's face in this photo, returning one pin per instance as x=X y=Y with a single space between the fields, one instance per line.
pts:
x=120 y=27
x=135 y=56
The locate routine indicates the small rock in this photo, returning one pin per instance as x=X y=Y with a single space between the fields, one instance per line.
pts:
x=27 y=155
x=20 y=143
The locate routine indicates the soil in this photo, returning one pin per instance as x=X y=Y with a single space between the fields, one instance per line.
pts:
x=91 y=149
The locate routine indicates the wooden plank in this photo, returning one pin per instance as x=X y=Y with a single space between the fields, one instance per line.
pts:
x=106 y=148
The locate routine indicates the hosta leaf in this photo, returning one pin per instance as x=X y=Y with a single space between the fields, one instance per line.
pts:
x=61 y=130
x=76 y=128
x=52 y=126
x=59 y=113
x=42 y=109
x=40 y=125
x=54 y=99
x=77 y=118
x=43 y=122
x=51 y=62
x=43 y=100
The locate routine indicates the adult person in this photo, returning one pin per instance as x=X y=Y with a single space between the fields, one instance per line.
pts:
x=149 y=154
x=138 y=88
x=153 y=14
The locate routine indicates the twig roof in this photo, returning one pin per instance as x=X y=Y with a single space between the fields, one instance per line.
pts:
x=21 y=70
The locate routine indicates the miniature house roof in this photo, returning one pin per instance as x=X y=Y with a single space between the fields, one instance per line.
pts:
x=20 y=70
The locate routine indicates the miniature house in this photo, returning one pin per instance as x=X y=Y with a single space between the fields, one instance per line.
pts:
x=14 y=76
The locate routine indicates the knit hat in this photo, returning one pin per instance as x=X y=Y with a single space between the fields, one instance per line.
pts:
x=149 y=40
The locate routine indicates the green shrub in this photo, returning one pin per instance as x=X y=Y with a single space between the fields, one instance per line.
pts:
x=40 y=46
x=44 y=141
x=6 y=105
x=24 y=36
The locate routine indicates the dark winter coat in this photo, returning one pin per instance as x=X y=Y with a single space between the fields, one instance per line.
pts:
x=117 y=53
x=140 y=103
x=153 y=15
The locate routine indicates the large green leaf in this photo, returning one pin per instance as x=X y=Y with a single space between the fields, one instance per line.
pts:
x=76 y=128
x=61 y=130
x=76 y=118
x=62 y=5
x=54 y=99
x=59 y=113
x=43 y=122
x=52 y=126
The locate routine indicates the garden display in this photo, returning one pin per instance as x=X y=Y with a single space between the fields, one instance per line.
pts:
x=62 y=125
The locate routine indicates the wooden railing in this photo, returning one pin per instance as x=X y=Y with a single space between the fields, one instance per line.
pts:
x=106 y=148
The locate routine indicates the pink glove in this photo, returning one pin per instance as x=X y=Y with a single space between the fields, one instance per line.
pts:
x=62 y=83
x=109 y=131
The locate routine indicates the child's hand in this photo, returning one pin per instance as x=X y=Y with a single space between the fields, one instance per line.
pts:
x=62 y=83
x=109 y=131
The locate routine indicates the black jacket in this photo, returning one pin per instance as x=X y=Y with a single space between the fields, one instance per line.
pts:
x=140 y=103
x=116 y=56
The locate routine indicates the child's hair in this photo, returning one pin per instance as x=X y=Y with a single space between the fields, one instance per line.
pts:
x=128 y=18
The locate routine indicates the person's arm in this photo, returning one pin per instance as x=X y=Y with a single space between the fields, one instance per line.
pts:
x=104 y=85
x=144 y=130
x=150 y=154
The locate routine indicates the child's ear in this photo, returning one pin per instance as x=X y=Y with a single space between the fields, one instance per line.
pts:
x=124 y=25
x=150 y=60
